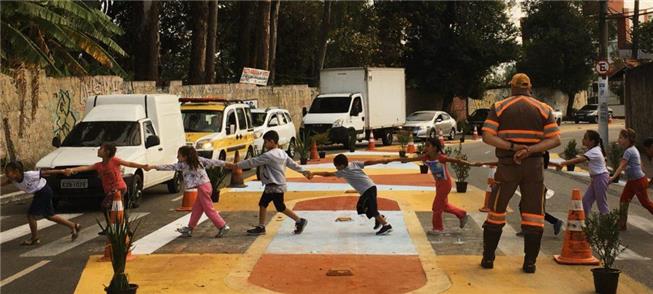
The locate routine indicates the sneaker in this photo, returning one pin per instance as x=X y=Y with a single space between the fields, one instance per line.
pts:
x=377 y=224
x=185 y=232
x=464 y=220
x=385 y=230
x=258 y=230
x=102 y=233
x=299 y=225
x=435 y=232
x=222 y=231
x=520 y=234
x=557 y=226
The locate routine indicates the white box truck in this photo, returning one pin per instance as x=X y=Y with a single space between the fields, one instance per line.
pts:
x=356 y=101
x=146 y=128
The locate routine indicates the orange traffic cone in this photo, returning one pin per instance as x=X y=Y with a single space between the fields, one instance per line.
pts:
x=575 y=249
x=189 y=199
x=237 y=174
x=488 y=190
x=371 y=143
x=314 y=154
x=475 y=134
x=441 y=138
x=115 y=216
x=411 y=145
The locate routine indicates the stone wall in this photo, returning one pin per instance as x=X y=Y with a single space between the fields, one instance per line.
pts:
x=555 y=99
x=36 y=108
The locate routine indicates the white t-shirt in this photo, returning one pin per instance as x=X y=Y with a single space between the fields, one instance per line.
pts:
x=356 y=177
x=596 y=161
x=32 y=182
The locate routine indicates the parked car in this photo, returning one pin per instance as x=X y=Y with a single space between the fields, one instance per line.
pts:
x=557 y=115
x=274 y=119
x=429 y=123
x=477 y=119
x=145 y=128
x=589 y=113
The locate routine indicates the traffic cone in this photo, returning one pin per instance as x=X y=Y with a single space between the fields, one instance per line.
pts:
x=411 y=145
x=441 y=138
x=189 y=199
x=117 y=214
x=488 y=190
x=475 y=134
x=314 y=154
x=371 y=143
x=237 y=174
x=575 y=249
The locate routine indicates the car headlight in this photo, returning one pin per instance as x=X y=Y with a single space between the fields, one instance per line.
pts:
x=423 y=128
x=338 y=123
x=203 y=144
x=594 y=112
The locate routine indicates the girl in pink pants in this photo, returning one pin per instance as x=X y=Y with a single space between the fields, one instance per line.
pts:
x=193 y=168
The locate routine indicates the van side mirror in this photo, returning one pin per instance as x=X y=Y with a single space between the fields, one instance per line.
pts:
x=152 y=141
x=304 y=111
x=56 y=142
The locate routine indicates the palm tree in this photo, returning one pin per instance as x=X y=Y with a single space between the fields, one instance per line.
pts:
x=59 y=35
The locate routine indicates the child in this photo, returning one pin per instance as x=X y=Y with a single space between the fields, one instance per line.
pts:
x=354 y=175
x=436 y=160
x=637 y=182
x=193 y=169
x=109 y=172
x=595 y=156
x=273 y=165
x=32 y=182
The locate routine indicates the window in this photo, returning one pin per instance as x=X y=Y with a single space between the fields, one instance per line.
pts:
x=94 y=133
x=330 y=105
x=202 y=121
x=420 y=116
x=281 y=118
x=445 y=116
x=248 y=115
x=242 y=121
x=274 y=121
x=259 y=118
x=356 y=107
x=149 y=129
x=439 y=118
x=231 y=121
x=288 y=118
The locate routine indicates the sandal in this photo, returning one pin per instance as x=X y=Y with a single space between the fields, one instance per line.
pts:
x=75 y=232
x=30 y=242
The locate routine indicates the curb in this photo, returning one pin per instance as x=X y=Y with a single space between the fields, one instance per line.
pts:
x=14 y=197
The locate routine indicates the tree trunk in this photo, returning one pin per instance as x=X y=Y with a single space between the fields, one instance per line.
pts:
x=147 y=52
x=198 y=48
x=258 y=27
x=244 y=38
x=274 y=21
x=264 y=37
x=570 y=104
x=324 y=34
x=211 y=41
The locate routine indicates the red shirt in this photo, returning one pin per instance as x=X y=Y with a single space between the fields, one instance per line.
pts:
x=110 y=175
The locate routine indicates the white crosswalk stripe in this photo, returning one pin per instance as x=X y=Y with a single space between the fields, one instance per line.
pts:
x=64 y=244
x=641 y=223
x=628 y=254
x=23 y=230
x=162 y=236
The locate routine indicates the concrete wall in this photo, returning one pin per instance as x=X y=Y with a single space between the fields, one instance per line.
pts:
x=35 y=108
x=555 y=99
x=639 y=100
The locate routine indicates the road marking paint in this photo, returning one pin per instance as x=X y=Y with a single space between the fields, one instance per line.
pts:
x=257 y=186
x=41 y=224
x=164 y=235
x=510 y=244
x=177 y=198
x=642 y=223
x=391 y=165
x=64 y=244
x=12 y=194
x=630 y=255
x=24 y=272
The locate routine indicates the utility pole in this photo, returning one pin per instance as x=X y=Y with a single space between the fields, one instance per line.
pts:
x=603 y=78
x=635 y=41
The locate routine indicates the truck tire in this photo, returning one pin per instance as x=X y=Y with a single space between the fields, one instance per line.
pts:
x=350 y=144
x=135 y=193
x=386 y=138
x=174 y=185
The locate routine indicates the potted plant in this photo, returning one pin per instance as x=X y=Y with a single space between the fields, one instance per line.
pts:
x=602 y=233
x=615 y=153
x=461 y=170
x=302 y=147
x=321 y=139
x=570 y=153
x=217 y=176
x=423 y=168
x=403 y=137
x=121 y=237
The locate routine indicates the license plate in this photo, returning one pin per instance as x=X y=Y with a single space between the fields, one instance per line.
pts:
x=74 y=184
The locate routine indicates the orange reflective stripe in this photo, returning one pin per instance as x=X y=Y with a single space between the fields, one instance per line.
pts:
x=550 y=135
x=532 y=224
x=503 y=108
x=489 y=121
x=538 y=106
x=536 y=216
x=551 y=125
x=491 y=131
x=523 y=140
x=496 y=222
x=496 y=218
x=526 y=132
x=531 y=219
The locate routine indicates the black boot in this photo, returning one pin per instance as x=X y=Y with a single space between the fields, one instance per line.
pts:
x=532 y=240
x=491 y=237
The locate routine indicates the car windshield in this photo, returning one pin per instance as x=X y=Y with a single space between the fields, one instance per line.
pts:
x=202 y=121
x=330 y=105
x=259 y=118
x=95 y=133
x=590 y=107
x=420 y=116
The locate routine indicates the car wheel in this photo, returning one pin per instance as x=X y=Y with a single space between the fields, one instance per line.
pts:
x=351 y=141
x=291 y=148
x=576 y=121
x=174 y=185
x=452 y=134
x=595 y=120
x=559 y=121
x=432 y=134
x=222 y=156
x=135 y=193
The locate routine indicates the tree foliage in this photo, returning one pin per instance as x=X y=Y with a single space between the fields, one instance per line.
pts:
x=646 y=37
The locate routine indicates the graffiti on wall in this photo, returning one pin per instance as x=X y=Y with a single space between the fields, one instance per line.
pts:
x=64 y=114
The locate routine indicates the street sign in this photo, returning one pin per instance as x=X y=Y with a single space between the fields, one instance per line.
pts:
x=254 y=76
x=602 y=67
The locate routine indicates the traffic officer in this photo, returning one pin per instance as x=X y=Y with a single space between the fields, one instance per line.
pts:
x=521 y=128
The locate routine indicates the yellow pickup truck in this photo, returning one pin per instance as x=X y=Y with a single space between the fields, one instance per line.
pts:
x=218 y=128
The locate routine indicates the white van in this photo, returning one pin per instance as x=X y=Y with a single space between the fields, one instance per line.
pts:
x=146 y=128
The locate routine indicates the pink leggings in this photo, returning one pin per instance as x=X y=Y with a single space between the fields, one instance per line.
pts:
x=441 y=204
x=204 y=204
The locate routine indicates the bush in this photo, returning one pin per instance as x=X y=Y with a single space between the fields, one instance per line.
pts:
x=571 y=151
x=461 y=170
x=602 y=233
x=403 y=137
